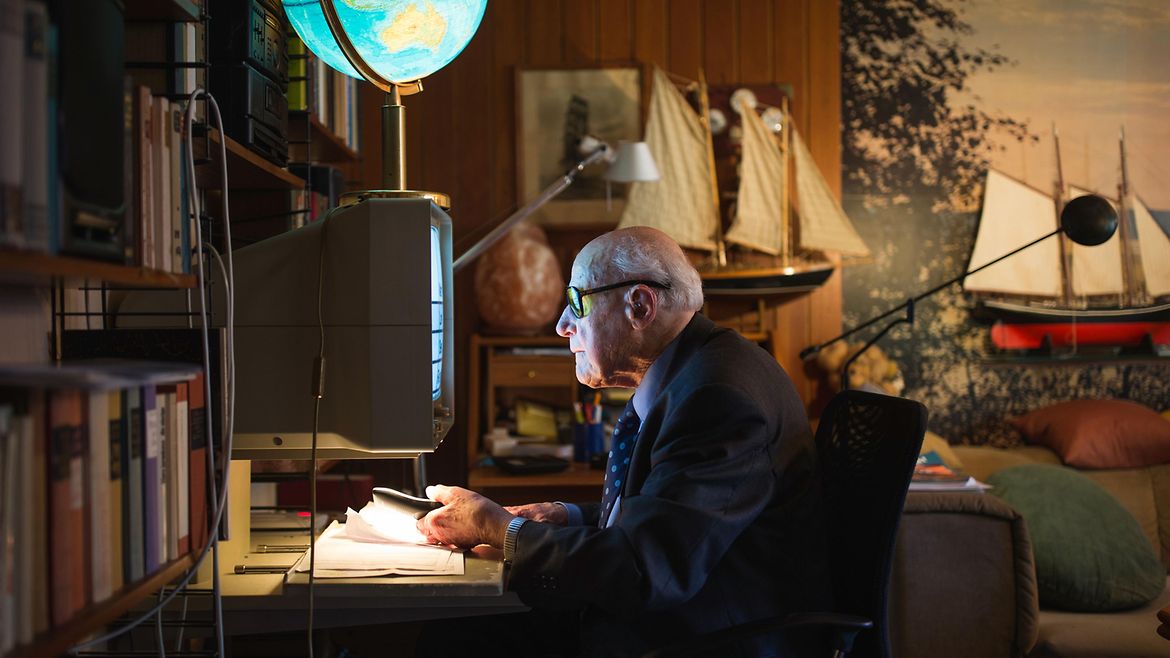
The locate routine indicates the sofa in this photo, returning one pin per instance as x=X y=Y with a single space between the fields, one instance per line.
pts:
x=964 y=580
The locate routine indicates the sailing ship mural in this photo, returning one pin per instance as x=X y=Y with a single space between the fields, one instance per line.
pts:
x=1062 y=296
x=685 y=202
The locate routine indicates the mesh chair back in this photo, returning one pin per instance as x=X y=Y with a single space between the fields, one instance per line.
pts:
x=867 y=445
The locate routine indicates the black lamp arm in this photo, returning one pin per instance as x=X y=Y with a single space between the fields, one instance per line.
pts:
x=812 y=350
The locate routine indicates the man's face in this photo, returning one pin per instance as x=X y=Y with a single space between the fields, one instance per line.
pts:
x=598 y=340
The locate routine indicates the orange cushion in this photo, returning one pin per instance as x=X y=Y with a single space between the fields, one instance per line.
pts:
x=1099 y=433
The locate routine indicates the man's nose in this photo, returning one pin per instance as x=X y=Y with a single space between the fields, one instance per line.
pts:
x=565 y=323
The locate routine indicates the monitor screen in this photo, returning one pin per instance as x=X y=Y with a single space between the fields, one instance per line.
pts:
x=436 y=315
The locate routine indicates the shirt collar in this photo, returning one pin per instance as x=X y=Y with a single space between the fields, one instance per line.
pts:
x=652 y=381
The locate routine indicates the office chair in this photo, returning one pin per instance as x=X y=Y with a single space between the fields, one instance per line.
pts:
x=867 y=445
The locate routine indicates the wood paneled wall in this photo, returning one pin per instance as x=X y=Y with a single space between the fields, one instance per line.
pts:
x=461 y=131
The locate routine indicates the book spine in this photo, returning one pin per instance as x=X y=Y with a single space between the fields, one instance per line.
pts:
x=64 y=423
x=132 y=499
x=8 y=485
x=151 y=482
x=117 y=435
x=39 y=502
x=198 y=436
x=183 y=468
x=12 y=72
x=35 y=131
x=26 y=538
x=170 y=459
x=98 y=494
x=160 y=177
x=176 y=190
x=143 y=110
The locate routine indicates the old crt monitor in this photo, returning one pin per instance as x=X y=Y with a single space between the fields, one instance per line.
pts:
x=384 y=267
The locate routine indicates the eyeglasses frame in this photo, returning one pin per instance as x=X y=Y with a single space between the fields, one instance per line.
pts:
x=582 y=294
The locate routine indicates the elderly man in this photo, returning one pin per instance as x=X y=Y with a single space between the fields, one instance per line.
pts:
x=709 y=514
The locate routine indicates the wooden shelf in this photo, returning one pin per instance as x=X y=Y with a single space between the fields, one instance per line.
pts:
x=325 y=147
x=246 y=168
x=577 y=475
x=94 y=618
x=178 y=11
x=36 y=266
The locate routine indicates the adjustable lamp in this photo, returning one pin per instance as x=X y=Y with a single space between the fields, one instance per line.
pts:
x=1087 y=220
x=392 y=44
x=631 y=162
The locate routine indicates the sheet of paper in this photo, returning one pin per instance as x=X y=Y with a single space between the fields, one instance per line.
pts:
x=381 y=524
x=340 y=556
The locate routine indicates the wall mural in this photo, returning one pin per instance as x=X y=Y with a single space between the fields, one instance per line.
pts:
x=936 y=92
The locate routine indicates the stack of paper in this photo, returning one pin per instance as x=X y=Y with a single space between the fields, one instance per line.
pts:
x=379 y=542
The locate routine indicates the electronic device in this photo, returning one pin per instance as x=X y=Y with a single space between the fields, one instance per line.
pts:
x=252 y=32
x=255 y=110
x=405 y=503
x=530 y=464
x=384 y=308
x=89 y=149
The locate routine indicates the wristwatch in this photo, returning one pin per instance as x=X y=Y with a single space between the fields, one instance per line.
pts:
x=510 y=537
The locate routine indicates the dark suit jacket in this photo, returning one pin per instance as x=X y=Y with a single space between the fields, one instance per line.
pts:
x=719 y=522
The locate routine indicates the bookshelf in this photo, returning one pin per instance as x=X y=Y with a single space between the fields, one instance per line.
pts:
x=30 y=276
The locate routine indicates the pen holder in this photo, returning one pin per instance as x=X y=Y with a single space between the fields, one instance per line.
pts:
x=588 y=440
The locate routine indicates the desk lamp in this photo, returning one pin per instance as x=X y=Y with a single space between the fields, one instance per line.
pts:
x=1087 y=220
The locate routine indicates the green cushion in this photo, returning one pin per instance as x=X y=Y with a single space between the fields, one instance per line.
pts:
x=1091 y=554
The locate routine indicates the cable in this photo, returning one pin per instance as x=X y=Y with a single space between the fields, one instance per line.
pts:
x=215 y=493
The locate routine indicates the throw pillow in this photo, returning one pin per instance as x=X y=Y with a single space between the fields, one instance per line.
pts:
x=1099 y=433
x=1091 y=555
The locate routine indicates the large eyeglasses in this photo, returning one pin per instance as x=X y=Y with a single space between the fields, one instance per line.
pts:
x=580 y=305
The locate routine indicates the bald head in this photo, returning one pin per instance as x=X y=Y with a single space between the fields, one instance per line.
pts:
x=641 y=252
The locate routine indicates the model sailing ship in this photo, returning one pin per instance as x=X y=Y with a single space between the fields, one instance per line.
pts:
x=684 y=203
x=1059 y=294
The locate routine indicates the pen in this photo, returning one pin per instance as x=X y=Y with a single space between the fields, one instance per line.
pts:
x=244 y=569
x=282 y=548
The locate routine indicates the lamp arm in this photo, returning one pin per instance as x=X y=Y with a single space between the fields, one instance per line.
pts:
x=908 y=319
x=811 y=351
x=545 y=196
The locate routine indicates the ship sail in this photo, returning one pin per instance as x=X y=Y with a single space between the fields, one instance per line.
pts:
x=1096 y=270
x=680 y=202
x=1155 y=247
x=823 y=223
x=1015 y=214
x=759 y=205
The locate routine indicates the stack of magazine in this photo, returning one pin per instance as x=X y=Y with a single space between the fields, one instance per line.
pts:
x=932 y=474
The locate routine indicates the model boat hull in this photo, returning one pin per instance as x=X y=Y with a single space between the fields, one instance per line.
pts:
x=1024 y=327
x=765 y=281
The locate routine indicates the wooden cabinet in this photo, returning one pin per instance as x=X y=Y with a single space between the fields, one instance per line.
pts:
x=504 y=368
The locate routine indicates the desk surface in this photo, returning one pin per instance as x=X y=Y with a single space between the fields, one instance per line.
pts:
x=275 y=602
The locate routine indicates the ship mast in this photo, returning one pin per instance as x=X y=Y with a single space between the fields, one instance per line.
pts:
x=787 y=241
x=1131 y=272
x=1066 y=291
x=705 y=111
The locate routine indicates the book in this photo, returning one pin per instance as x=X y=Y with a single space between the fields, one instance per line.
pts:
x=28 y=548
x=97 y=481
x=35 y=128
x=12 y=72
x=39 y=500
x=133 y=506
x=8 y=485
x=197 y=422
x=65 y=526
x=152 y=531
x=143 y=181
x=932 y=474
x=117 y=435
x=160 y=180
x=166 y=409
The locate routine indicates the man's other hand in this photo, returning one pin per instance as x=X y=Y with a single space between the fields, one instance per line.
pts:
x=466 y=519
x=544 y=512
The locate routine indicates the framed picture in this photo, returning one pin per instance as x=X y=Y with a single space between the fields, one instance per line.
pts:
x=556 y=108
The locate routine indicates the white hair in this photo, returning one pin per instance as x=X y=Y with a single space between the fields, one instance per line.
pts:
x=634 y=258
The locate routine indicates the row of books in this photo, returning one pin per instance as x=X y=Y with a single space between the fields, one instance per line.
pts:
x=162 y=222
x=329 y=95
x=932 y=473
x=99 y=489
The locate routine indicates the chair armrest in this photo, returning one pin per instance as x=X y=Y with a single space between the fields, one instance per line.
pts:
x=958 y=555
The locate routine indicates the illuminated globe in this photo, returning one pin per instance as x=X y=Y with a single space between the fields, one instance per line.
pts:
x=403 y=40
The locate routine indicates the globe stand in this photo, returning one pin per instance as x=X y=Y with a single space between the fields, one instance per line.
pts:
x=393 y=123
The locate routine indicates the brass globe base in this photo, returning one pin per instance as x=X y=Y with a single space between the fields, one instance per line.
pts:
x=438 y=198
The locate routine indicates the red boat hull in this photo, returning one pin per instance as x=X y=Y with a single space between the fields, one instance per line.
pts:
x=1031 y=336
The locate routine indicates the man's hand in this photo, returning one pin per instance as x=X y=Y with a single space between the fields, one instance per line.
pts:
x=545 y=512
x=466 y=519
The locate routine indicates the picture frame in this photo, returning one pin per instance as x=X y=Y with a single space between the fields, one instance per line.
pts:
x=554 y=108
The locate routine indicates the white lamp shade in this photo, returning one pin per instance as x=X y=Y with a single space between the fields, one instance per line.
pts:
x=633 y=162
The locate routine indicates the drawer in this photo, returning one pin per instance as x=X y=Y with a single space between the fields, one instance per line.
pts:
x=506 y=370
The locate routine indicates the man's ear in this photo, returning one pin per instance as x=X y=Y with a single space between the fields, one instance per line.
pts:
x=641 y=306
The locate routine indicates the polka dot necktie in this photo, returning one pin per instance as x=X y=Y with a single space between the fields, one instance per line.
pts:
x=622 y=445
